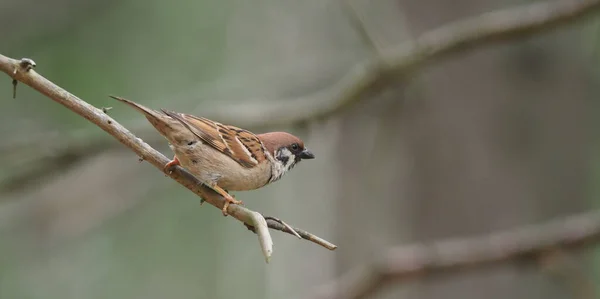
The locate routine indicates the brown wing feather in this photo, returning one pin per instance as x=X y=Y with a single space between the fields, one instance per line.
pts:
x=235 y=142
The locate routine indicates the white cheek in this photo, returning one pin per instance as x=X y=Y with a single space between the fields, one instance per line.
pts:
x=278 y=167
x=284 y=152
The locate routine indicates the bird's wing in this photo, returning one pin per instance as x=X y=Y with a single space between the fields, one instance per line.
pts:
x=240 y=145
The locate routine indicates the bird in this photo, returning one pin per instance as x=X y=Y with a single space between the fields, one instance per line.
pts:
x=224 y=157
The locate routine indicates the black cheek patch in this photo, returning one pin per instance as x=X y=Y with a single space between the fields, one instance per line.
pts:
x=283 y=159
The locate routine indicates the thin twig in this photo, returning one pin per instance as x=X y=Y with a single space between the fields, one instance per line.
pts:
x=359 y=25
x=17 y=71
x=278 y=225
x=406 y=263
x=287 y=226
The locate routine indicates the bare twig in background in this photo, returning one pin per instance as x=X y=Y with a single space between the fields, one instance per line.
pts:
x=370 y=76
x=357 y=22
x=18 y=72
x=31 y=164
x=35 y=162
x=403 y=263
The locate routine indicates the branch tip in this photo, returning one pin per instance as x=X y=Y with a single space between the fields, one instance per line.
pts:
x=264 y=237
x=287 y=226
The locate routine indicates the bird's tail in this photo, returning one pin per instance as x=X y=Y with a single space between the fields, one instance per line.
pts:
x=141 y=108
x=162 y=122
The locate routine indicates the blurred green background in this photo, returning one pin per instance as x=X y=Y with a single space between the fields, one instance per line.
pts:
x=485 y=140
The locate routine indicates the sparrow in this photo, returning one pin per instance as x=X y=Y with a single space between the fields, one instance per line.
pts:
x=225 y=157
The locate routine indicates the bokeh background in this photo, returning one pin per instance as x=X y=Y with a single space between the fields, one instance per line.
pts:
x=484 y=140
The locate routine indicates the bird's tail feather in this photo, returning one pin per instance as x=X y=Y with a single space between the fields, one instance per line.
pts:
x=141 y=108
x=161 y=122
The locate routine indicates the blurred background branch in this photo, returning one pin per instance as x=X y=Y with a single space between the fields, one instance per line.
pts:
x=371 y=76
x=535 y=243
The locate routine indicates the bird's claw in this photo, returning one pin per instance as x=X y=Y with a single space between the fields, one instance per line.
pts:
x=230 y=200
x=169 y=167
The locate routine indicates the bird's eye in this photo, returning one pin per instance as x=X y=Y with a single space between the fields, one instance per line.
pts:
x=295 y=146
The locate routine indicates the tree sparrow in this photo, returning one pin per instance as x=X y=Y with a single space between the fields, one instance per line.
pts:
x=225 y=157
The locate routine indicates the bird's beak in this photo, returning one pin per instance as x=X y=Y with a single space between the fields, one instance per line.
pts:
x=306 y=154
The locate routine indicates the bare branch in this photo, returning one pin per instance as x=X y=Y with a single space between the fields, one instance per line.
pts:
x=404 y=263
x=23 y=73
x=277 y=224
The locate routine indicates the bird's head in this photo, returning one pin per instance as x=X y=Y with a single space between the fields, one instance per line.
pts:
x=286 y=150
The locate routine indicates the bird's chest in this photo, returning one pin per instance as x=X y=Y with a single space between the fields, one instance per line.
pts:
x=213 y=167
x=240 y=179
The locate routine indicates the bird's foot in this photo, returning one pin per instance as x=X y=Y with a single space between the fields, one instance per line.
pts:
x=229 y=199
x=169 y=166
